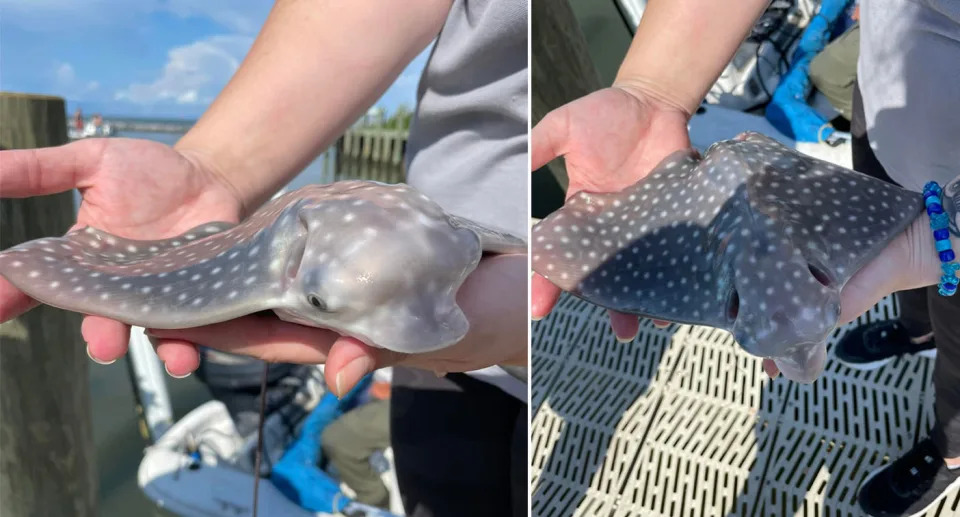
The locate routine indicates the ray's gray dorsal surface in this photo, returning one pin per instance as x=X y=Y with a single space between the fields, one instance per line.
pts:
x=378 y=262
x=754 y=237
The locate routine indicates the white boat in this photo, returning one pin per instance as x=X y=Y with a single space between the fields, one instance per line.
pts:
x=89 y=131
x=200 y=466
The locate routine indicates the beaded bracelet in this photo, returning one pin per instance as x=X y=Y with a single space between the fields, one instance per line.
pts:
x=939 y=223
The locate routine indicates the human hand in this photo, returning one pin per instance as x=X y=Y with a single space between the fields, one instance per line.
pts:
x=132 y=188
x=609 y=139
x=908 y=262
x=490 y=297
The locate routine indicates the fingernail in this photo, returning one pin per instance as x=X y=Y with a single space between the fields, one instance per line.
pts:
x=626 y=339
x=94 y=359
x=351 y=373
x=184 y=376
x=537 y=318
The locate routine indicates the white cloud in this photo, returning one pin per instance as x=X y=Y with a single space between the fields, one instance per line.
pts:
x=202 y=67
x=65 y=74
x=188 y=97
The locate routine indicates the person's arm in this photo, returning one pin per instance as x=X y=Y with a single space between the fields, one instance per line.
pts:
x=681 y=47
x=313 y=70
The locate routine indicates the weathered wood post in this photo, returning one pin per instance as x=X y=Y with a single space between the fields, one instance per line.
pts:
x=47 y=464
x=561 y=69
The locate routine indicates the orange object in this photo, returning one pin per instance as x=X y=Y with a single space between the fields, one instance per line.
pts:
x=380 y=390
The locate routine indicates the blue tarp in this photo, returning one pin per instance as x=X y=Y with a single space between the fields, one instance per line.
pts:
x=297 y=474
x=788 y=110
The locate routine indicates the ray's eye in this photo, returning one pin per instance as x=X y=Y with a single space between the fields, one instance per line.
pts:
x=317 y=302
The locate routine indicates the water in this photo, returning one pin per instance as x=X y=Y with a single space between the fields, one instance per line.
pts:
x=116 y=436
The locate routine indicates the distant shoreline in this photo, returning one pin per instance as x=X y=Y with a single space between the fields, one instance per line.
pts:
x=145 y=125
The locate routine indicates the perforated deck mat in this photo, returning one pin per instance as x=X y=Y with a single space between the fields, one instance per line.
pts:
x=681 y=422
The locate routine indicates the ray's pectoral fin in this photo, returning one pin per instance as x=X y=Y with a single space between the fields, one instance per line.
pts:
x=131 y=250
x=138 y=282
x=492 y=240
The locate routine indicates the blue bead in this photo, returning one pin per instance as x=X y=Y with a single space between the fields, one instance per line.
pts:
x=947 y=256
x=934 y=208
x=943 y=245
x=938 y=221
x=947 y=289
x=931 y=199
x=941 y=234
x=949 y=268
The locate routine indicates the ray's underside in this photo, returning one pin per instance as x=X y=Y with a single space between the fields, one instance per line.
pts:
x=754 y=237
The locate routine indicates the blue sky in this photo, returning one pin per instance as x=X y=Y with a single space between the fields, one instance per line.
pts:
x=153 y=58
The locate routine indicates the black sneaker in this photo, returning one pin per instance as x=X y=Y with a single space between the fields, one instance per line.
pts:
x=910 y=485
x=871 y=346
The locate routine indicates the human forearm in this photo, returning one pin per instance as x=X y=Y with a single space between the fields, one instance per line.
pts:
x=682 y=46
x=313 y=70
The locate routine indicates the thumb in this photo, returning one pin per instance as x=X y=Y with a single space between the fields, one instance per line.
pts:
x=543 y=297
x=548 y=138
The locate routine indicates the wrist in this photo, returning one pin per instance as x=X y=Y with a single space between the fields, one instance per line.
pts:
x=921 y=261
x=653 y=94
x=205 y=164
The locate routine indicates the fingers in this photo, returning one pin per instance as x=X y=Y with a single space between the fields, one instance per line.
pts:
x=625 y=326
x=36 y=172
x=770 y=368
x=350 y=360
x=263 y=337
x=548 y=138
x=543 y=297
x=180 y=358
x=13 y=302
x=107 y=340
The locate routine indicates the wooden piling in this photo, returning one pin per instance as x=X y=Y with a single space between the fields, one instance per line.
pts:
x=47 y=463
x=562 y=70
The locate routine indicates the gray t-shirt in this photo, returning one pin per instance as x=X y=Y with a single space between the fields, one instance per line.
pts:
x=909 y=75
x=468 y=140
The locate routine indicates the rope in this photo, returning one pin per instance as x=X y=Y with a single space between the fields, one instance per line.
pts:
x=259 y=453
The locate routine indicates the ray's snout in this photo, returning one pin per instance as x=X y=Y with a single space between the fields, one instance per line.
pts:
x=804 y=363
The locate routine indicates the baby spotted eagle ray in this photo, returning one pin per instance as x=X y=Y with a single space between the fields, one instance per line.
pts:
x=378 y=262
x=754 y=238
